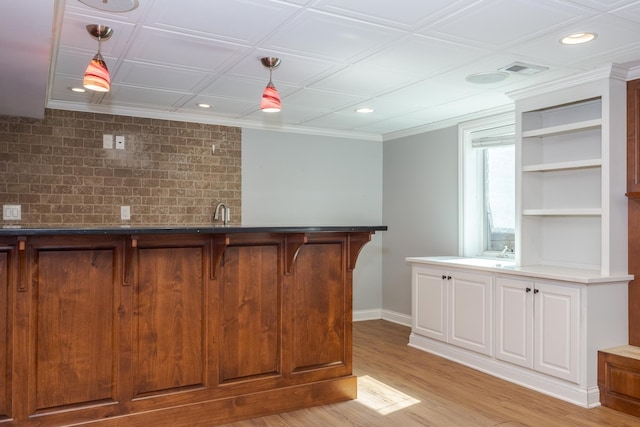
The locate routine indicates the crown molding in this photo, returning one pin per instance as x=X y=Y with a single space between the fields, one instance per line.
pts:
x=212 y=120
x=633 y=73
x=611 y=71
x=454 y=121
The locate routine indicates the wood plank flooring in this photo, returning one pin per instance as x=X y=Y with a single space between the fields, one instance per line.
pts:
x=402 y=386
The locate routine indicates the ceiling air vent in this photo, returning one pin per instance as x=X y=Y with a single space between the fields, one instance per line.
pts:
x=522 y=68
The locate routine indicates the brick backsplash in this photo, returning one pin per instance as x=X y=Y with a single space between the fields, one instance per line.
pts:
x=57 y=170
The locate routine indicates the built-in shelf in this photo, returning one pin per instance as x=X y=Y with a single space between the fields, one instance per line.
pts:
x=576 y=164
x=569 y=168
x=561 y=129
x=562 y=212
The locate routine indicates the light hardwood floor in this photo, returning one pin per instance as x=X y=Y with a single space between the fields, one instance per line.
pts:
x=402 y=386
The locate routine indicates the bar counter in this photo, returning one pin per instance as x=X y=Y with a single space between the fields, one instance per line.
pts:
x=180 y=326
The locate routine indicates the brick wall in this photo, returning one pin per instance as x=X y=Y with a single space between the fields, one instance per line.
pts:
x=58 y=171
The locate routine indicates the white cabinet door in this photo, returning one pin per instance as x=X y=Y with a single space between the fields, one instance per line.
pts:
x=557 y=322
x=514 y=321
x=429 y=289
x=471 y=305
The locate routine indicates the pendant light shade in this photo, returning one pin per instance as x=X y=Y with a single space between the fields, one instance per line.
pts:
x=270 y=97
x=97 y=77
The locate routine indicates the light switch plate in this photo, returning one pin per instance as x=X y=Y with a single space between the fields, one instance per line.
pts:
x=11 y=212
x=125 y=213
x=107 y=142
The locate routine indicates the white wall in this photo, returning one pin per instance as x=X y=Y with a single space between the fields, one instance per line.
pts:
x=420 y=208
x=295 y=179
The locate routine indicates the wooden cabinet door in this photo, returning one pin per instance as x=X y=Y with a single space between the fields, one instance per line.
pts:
x=251 y=307
x=430 y=303
x=514 y=321
x=320 y=294
x=557 y=321
x=633 y=137
x=470 y=308
x=170 y=343
x=633 y=190
x=5 y=332
x=74 y=327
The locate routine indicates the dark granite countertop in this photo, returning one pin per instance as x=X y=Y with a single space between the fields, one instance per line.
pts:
x=204 y=229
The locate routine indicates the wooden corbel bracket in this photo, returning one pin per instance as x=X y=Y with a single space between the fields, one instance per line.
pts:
x=219 y=243
x=356 y=242
x=130 y=259
x=292 y=245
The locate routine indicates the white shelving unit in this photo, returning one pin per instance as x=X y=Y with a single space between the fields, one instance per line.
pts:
x=571 y=164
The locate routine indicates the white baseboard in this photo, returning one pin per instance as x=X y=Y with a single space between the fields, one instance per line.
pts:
x=395 y=317
x=379 y=313
x=372 y=314
x=587 y=397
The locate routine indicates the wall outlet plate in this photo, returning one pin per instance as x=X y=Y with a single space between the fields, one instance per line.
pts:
x=119 y=142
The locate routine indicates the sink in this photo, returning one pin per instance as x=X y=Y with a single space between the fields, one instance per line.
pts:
x=482 y=262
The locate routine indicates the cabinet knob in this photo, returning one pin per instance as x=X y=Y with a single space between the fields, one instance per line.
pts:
x=528 y=289
x=444 y=277
x=448 y=277
x=535 y=291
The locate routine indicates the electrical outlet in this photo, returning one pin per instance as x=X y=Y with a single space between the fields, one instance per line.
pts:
x=119 y=142
x=125 y=213
x=107 y=142
x=11 y=212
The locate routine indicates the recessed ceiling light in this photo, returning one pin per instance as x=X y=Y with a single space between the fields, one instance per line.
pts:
x=578 y=38
x=77 y=89
x=364 y=110
x=203 y=105
x=484 y=78
x=111 y=5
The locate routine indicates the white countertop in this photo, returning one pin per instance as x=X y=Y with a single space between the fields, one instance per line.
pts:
x=508 y=267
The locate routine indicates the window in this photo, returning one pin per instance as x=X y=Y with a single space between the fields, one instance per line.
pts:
x=487 y=181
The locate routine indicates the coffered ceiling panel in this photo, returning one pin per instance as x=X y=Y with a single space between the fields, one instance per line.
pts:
x=408 y=60
x=330 y=36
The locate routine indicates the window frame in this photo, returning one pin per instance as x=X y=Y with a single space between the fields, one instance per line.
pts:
x=472 y=227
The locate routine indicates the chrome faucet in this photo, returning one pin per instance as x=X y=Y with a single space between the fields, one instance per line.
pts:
x=503 y=254
x=225 y=213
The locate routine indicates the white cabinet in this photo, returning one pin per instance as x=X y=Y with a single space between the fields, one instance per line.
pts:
x=537 y=326
x=453 y=306
x=570 y=177
x=430 y=303
x=514 y=321
x=470 y=311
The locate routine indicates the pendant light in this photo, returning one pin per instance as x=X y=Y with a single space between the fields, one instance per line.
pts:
x=270 y=97
x=97 y=77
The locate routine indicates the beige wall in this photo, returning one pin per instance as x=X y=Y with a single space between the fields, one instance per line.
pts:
x=57 y=170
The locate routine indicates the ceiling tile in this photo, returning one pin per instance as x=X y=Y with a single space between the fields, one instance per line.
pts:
x=74 y=35
x=142 y=97
x=423 y=56
x=321 y=99
x=160 y=77
x=501 y=23
x=183 y=51
x=366 y=80
x=403 y=14
x=613 y=34
x=329 y=37
x=248 y=21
